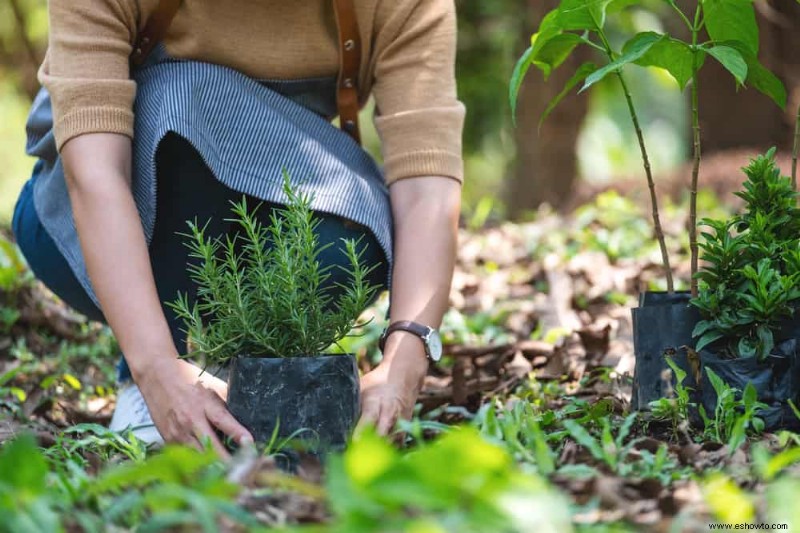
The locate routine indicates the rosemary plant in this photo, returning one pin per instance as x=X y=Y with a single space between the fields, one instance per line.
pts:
x=263 y=292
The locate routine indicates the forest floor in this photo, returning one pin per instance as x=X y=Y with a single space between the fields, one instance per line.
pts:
x=537 y=377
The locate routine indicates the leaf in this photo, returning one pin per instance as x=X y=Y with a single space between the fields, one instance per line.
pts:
x=580 y=75
x=707 y=339
x=517 y=77
x=761 y=79
x=766 y=340
x=635 y=49
x=674 y=56
x=732 y=60
x=553 y=54
x=680 y=374
x=582 y=437
x=582 y=14
x=732 y=20
x=23 y=467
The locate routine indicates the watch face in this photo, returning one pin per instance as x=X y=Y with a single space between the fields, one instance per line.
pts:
x=435 y=345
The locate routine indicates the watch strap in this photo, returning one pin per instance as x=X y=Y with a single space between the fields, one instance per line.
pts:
x=404 y=325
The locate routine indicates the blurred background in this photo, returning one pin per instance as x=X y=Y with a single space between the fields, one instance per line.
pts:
x=586 y=146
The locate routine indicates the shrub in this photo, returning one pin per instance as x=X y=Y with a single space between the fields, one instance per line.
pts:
x=263 y=292
x=750 y=281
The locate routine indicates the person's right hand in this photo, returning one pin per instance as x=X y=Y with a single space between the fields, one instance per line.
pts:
x=186 y=407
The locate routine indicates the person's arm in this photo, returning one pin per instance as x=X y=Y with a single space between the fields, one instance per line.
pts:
x=426 y=211
x=87 y=74
x=184 y=407
x=419 y=120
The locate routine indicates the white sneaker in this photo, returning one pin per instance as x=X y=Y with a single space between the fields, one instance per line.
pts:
x=131 y=413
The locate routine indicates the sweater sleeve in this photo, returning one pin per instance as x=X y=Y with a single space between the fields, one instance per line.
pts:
x=418 y=116
x=86 y=69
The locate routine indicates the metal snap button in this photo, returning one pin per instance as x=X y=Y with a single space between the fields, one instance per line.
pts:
x=348 y=82
x=349 y=44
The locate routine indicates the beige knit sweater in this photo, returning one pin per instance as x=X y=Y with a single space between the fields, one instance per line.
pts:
x=408 y=65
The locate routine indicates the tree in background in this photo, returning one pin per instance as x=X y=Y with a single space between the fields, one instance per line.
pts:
x=23 y=36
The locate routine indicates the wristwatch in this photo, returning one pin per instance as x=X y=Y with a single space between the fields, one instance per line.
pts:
x=430 y=337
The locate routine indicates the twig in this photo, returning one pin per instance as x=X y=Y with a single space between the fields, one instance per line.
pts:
x=647 y=168
x=697 y=157
x=650 y=184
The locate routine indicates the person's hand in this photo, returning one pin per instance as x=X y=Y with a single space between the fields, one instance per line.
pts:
x=390 y=391
x=186 y=406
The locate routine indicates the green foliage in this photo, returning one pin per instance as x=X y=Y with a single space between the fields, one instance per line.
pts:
x=731 y=24
x=12 y=266
x=675 y=407
x=613 y=225
x=607 y=448
x=734 y=416
x=178 y=486
x=263 y=292
x=459 y=483
x=750 y=281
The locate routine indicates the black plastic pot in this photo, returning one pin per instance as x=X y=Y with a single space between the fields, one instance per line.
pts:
x=663 y=323
x=776 y=380
x=314 y=400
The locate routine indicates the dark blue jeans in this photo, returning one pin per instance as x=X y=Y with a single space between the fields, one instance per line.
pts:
x=187 y=190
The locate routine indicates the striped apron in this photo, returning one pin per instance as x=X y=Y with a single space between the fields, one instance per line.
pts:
x=247 y=131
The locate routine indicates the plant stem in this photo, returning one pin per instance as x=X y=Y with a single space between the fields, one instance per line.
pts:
x=650 y=184
x=647 y=169
x=795 y=150
x=697 y=155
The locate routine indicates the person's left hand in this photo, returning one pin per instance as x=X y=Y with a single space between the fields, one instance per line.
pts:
x=389 y=392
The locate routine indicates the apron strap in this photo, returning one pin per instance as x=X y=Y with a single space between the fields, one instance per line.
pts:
x=347 y=99
x=154 y=30
x=349 y=67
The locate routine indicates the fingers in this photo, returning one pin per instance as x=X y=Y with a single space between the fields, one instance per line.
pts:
x=219 y=417
x=205 y=434
x=387 y=421
x=370 y=414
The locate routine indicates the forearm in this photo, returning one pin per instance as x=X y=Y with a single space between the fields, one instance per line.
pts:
x=114 y=247
x=426 y=214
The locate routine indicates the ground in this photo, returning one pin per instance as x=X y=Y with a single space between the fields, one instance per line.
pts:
x=525 y=426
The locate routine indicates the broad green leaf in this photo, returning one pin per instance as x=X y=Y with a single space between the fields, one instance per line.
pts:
x=732 y=20
x=23 y=467
x=580 y=75
x=553 y=54
x=701 y=327
x=582 y=14
x=732 y=60
x=635 y=49
x=517 y=77
x=707 y=339
x=674 y=56
x=765 y=82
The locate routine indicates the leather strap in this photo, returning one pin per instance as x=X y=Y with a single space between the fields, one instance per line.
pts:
x=403 y=325
x=349 y=67
x=154 y=30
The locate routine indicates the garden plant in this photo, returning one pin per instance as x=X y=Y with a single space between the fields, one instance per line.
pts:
x=268 y=310
x=749 y=292
x=733 y=41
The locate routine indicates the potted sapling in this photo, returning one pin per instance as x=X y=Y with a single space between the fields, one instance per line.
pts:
x=749 y=289
x=267 y=311
x=664 y=321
